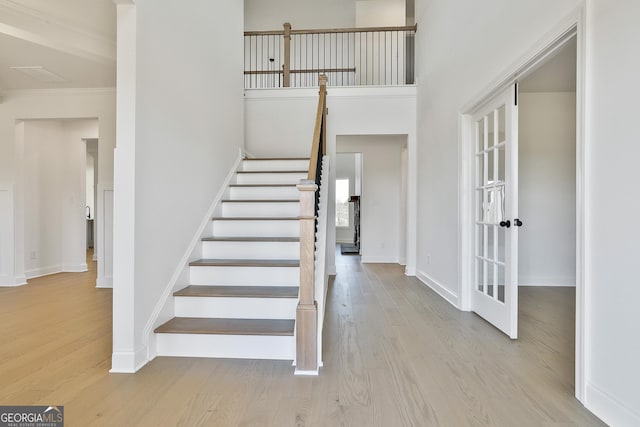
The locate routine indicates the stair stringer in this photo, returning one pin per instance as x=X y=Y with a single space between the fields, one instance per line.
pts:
x=165 y=307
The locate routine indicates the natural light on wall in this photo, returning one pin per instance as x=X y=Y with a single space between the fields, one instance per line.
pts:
x=342 y=202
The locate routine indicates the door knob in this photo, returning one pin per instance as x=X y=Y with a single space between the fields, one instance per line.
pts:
x=506 y=223
x=517 y=222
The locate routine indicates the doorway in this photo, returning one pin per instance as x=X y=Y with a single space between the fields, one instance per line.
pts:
x=52 y=156
x=348 y=193
x=92 y=195
x=542 y=216
x=382 y=197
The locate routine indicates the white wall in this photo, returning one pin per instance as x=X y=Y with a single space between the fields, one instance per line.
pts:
x=346 y=168
x=301 y=14
x=547 y=189
x=352 y=111
x=613 y=254
x=404 y=200
x=44 y=154
x=54 y=202
x=380 y=13
x=268 y=112
x=380 y=210
x=487 y=38
x=89 y=190
x=187 y=102
x=48 y=104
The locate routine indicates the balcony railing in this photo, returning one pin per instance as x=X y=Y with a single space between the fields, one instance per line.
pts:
x=381 y=56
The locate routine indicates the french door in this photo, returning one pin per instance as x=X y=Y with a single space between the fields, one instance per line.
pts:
x=495 y=228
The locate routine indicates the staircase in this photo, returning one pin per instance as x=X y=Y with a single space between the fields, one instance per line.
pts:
x=242 y=296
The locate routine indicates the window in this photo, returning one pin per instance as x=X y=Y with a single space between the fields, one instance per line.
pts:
x=342 y=202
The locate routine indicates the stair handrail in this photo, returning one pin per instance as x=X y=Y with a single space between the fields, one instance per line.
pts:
x=307 y=309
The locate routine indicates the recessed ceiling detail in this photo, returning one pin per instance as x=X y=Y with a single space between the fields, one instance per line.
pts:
x=40 y=73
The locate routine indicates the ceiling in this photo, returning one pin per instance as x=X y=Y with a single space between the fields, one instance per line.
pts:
x=557 y=74
x=74 y=39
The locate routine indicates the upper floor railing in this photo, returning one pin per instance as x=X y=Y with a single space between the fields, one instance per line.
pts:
x=380 y=56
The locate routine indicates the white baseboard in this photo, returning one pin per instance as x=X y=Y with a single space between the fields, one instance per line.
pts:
x=104 y=282
x=438 y=288
x=379 y=260
x=43 y=271
x=12 y=281
x=609 y=409
x=307 y=373
x=128 y=362
x=81 y=268
x=94 y=257
x=409 y=270
x=558 y=284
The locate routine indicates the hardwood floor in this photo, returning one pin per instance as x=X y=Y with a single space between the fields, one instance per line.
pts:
x=396 y=354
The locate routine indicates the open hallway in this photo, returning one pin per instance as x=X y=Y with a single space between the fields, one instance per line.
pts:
x=396 y=354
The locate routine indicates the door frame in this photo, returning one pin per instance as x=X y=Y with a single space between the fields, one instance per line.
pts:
x=572 y=25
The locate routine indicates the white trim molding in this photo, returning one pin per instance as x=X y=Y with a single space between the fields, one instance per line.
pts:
x=379 y=260
x=609 y=409
x=438 y=288
x=43 y=271
x=122 y=362
x=105 y=282
x=80 y=268
x=573 y=25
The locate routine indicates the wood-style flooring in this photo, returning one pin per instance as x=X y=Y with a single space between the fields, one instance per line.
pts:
x=395 y=354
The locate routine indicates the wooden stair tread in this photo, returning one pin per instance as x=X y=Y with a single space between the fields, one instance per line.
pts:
x=245 y=263
x=255 y=218
x=274 y=171
x=195 y=325
x=262 y=185
x=261 y=201
x=251 y=239
x=239 y=291
x=253 y=159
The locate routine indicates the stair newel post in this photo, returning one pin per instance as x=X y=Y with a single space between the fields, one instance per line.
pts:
x=307 y=311
x=286 y=67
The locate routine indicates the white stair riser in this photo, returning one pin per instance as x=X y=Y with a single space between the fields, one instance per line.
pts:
x=266 y=209
x=270 y=178
x=275 y=165
x=249 y=276
x=236 y=308
x=226 y=346
x=256 y=228
x=250 y=250
x=264 y=193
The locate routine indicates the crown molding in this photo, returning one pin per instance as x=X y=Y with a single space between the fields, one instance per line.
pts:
x=37 y=27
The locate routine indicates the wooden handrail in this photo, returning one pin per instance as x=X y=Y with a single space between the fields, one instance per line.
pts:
x=355 y=30
x=333 y=30
x=315 y=147
x=303 y=71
